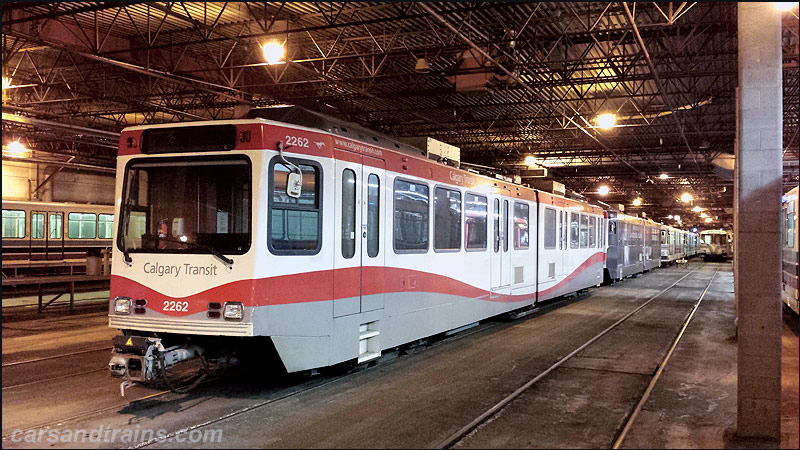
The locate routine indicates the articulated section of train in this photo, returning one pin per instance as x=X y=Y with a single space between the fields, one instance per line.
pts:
x=333 y=244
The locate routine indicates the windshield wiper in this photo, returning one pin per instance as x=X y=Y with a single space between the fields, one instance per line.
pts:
x=210 y=249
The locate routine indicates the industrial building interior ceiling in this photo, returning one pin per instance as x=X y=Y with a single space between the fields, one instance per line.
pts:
x=517 y=86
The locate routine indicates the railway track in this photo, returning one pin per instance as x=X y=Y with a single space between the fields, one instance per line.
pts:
x=58 y=356
x=294 y=388
x=471 y=427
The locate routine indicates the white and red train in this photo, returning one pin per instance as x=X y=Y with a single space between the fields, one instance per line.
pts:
x=330 y=241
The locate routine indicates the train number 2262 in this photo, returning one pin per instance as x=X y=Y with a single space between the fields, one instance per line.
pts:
x=176 y=306
x=296 y=141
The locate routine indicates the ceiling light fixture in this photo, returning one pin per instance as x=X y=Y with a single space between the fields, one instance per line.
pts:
x=686 y=197
x=663 y=176
x=637 y=202
x=785 y=6
x=530 y=160
x=603 y=190
x=708 y=219
x=273 y=52
x=606 y=121
x=16 y=149
x=697 y=209
x=6 y=83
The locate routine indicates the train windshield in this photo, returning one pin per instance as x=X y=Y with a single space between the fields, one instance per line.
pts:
x=714 y=239
x=186 y=206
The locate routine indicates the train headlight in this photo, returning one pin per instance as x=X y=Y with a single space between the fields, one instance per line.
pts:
x=233 y=311
x=122 y=305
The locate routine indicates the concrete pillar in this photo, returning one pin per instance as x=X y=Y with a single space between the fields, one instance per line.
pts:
x=759 y=173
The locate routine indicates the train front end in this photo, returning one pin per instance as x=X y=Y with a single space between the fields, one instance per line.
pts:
x=182 y=272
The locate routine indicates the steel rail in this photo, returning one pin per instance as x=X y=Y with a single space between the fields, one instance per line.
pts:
x=463 y=431
x=47 y=358
x=660 y=370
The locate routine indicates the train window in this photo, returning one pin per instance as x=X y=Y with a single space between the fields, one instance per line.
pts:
x=592 y=232
x=411 y=216
x=105 y=226
x=446 y=219
x=521 y=218
x=189 y=204
x=475 y=215
x=13 y=223
x=663 y=237
x=348 y=213
x=496 y=225
x=574 y=232
x=373 y=214
x=37 y=226
x=82 y=226
x=549 y=228
x=55 y=225
x=505 y=225
x=584 y=237
x=295 y=222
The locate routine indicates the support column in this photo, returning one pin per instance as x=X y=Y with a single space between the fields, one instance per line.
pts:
x=759 y=173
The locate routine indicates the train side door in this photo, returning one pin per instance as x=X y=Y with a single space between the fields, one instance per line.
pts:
x=372 y=233
x=54 y=231
x=37 y=245
x=501 y=258
x=358 y=258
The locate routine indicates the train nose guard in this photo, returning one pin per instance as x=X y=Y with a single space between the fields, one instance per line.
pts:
x=143 y=359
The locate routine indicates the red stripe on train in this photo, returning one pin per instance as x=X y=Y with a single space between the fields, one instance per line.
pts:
x=326 y=285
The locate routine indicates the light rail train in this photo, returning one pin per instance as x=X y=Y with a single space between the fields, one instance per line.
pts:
x=326 y=241
x=716 y=244
x=41 y=235
x=790 y=249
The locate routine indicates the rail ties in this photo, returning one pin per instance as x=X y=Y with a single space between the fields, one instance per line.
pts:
x=465 y=430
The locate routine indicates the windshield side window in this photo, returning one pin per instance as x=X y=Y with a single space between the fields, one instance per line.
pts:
x=295 y=223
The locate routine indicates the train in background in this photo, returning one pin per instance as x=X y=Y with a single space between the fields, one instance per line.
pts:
x=39 y=237
x=329 y=243
x=790 y=249
x=716 y=245
x=633 y=245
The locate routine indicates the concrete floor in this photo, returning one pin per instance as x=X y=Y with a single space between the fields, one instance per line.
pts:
x=418 y=400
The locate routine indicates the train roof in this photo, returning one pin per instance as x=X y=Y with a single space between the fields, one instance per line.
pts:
x=304 y=119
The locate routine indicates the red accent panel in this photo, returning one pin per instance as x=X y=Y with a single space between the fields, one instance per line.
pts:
x=318 y=286
x=592 y=260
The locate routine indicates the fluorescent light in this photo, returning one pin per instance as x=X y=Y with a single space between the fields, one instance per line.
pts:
x=273 y=52
x=606 y=120
x=603 y=190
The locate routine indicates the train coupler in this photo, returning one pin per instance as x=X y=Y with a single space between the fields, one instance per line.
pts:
x=140 y=359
